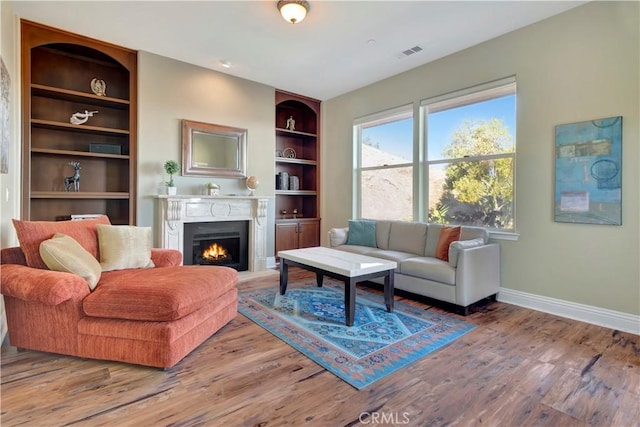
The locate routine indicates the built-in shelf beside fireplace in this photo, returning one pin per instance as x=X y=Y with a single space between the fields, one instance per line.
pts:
x=173 y=212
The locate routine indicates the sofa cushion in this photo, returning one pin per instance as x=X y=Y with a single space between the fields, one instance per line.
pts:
x=62 y=253
x=429 y=268
x=362 y=233
x=32 y=233
x=124 y=246
x=390 y=255
x=456 y=247
x=447 y=236
x=432 y=240
x=158 y=294
x=362 y=250
x=408 y=237
x=382 y=233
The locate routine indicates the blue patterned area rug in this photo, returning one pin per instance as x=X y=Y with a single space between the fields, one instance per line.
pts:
x=311 y=320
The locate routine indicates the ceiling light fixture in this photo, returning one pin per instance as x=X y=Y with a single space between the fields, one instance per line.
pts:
x=293 y=11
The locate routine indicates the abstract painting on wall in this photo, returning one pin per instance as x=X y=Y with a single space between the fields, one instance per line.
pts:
x=589 y=172
x=5 y=87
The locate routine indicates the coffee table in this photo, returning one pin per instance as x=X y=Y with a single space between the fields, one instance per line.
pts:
x=346 y=266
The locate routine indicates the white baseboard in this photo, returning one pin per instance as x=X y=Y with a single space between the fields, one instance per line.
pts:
x=271 y=262
x=572 y=310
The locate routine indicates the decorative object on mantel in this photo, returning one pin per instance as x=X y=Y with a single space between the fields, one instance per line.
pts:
x=171 y=167
x=252 y=184
x=289 y=153
x=213 y=189
x=80 y=118
x=588 y=187
x=99 y=87
x=291 y=123
x=73 y=180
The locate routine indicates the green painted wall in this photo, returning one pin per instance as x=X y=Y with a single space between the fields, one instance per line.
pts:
x=580 y=65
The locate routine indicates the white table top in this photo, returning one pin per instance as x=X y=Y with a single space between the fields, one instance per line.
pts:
x=340 y=262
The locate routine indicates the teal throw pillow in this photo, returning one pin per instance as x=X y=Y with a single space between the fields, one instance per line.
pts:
x=362 y=233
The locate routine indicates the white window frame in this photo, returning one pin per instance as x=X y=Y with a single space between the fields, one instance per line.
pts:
x=460 y=98
x=377 y=119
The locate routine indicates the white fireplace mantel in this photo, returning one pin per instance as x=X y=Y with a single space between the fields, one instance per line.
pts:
x=175 y=211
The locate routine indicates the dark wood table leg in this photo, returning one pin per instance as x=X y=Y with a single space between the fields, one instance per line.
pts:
x=388 y=291
x=284 y=275
x=319 y=277
x=350 y=300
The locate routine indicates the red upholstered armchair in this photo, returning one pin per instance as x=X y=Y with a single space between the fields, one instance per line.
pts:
x=147 y=316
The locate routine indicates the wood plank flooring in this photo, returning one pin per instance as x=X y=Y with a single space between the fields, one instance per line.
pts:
x=517 y=368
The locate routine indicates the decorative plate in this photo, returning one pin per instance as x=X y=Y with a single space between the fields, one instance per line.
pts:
x=289 y=153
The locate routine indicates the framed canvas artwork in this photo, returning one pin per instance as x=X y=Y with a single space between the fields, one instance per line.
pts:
x=5 y=87
x=588 y=168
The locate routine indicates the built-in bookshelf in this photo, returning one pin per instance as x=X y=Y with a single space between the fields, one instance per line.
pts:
x=59 y=75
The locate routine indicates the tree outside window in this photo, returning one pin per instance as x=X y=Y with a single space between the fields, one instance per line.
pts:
x=470 y=164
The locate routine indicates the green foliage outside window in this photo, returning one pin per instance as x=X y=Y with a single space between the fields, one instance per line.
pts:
x=478 y=191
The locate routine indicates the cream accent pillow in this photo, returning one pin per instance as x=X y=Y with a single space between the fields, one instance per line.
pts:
x=124 y=246
x=63 y=253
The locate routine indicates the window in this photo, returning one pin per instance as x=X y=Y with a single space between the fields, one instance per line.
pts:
x=470 y=154
x=384 y=165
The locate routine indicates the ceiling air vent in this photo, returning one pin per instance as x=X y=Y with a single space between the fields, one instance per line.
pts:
x=413 y=50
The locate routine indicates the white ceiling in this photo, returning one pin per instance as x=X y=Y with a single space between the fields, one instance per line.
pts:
x=326 y=55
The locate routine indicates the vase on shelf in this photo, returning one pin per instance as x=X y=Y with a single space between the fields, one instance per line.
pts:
x=171 y=191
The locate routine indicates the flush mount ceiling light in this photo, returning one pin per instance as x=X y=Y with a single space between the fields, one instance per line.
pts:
x=293 y=11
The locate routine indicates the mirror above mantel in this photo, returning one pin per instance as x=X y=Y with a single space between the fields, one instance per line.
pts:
x=213 y=150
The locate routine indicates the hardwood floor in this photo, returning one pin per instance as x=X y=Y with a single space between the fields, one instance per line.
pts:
x=518 y=367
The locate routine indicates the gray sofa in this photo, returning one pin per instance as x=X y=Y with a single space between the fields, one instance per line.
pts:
x=471 y=274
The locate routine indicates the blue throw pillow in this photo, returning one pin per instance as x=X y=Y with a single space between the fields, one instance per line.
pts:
x=362 y=233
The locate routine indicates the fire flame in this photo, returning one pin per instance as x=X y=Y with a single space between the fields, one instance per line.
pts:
x=215 y=253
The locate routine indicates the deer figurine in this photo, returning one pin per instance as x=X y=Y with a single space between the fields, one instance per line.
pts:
x=75 y=179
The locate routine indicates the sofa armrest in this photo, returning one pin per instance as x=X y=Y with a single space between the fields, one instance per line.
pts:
x=44 y=286
x=12 y=255
x=477 y=274
x=338 y=236
x=166 y=257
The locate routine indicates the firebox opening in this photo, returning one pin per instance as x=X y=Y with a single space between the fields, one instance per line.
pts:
x=217 y=243
x=217 y=251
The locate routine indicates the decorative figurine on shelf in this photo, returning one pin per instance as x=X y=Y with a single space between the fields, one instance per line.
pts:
x=291 y=123
x=75 y=179
x=295 y=213
x=283 y=212
x=80 y=118
x=99 y=87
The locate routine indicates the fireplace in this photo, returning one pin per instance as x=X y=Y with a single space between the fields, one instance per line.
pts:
x=222 y=243
x=174 y=213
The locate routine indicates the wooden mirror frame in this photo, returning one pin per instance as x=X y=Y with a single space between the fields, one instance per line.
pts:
x=191 y=168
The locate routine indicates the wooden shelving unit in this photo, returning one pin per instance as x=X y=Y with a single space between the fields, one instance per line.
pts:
x=300 y=229
x=57 y=70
